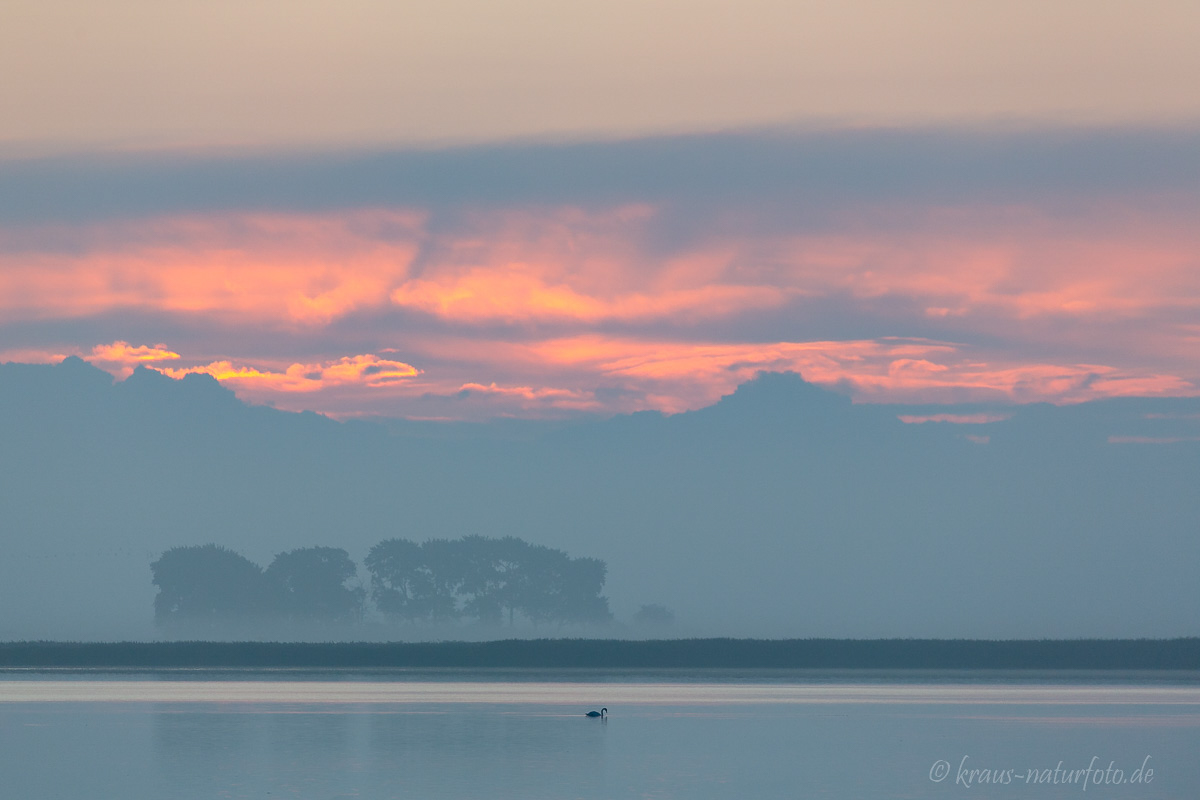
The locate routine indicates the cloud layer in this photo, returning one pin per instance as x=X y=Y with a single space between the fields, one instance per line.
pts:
x=902 y=279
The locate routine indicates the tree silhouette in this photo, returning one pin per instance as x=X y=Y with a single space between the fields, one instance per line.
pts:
x=414 y=582
x=496 y=577
x=566 y=590
x=442 y=571
x=207 y=583
x=312 y=584
x=582 y=599
x=441 y=580
x=485 y=579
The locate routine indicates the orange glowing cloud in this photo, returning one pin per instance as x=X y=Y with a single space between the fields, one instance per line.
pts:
x=1022 y=268
x=563 y=265
x=536 y=397
x=681 y=376
x=363 y=370
x=568 y=265
x=586 y=268
x=32 y=355
x=571 y=374
x=517 y=292
x=518 y=308
x=125 y=353
x=273 y=268
x=953 y=267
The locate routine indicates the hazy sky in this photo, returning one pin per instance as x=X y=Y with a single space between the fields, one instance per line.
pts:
x=782 y=510
x=464 y=209
x=296 y=72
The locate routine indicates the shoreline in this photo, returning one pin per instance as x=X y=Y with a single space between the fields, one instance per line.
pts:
x=619 y=654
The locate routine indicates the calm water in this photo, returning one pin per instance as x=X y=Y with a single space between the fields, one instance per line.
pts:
x=670 y=735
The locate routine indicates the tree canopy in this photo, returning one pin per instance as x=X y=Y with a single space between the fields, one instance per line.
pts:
x=314 y=584
x=206 y=583
x=486 y=579
x=437 y=581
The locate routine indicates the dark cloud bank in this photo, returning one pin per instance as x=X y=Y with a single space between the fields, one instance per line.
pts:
x=783 y=510
x=812 y=173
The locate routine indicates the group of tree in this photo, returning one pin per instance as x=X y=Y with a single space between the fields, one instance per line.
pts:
x=209 y=583
x=475 y=578
x=486 y=579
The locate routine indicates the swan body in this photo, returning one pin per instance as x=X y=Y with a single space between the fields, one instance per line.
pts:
x=601 y=713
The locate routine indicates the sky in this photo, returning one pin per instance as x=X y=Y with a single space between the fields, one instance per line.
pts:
x=940 y=214
x=534 y=209
x=783 y=510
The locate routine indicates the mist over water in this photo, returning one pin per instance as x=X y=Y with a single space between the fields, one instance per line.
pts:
x=783 y=510
x=837 y=735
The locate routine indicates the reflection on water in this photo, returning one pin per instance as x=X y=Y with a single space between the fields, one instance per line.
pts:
x=556 y=693
x=89 y=738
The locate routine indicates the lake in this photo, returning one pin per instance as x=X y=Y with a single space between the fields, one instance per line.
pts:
x=670 y=734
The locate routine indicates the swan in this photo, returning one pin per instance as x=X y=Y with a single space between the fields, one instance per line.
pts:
x=601 y=713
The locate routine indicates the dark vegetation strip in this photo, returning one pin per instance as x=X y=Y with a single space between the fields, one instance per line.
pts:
x=1167 y=654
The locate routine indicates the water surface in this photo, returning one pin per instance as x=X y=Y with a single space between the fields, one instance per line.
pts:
x=259 y=734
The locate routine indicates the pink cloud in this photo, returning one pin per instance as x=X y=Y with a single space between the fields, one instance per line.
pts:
x=124 y=353
x=589 y=267
x=533 y=397
x=539 y=309
x=680 y=376
x=518 y=292
x=566 y=375
x=363 y=370
x=956 y=419
x=268 y=268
